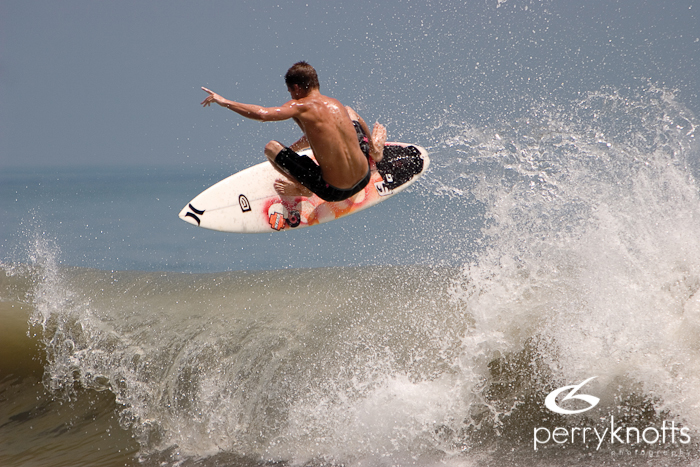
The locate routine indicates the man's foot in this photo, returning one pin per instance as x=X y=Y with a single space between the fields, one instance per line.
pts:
x=288 y=188
x=378 y=138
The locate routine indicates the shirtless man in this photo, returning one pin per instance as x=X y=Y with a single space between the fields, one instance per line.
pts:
x=340 y=139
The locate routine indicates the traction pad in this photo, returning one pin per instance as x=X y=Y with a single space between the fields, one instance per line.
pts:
x=399 y=165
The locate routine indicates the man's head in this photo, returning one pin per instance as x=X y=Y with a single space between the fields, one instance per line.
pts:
x=303 y=75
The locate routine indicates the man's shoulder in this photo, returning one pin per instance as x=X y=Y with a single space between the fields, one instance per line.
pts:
x=318 y=104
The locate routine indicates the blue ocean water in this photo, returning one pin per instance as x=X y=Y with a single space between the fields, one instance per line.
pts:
x=127 y=219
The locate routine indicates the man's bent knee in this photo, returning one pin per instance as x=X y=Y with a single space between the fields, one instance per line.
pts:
x=353 y=115
x=272 y=149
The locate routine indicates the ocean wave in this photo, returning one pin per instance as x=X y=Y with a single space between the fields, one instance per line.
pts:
x=585 y=264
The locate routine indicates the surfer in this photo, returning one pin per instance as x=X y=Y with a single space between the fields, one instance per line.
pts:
x=340 y=139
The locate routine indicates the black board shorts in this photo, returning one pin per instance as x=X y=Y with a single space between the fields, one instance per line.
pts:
x=308 y=173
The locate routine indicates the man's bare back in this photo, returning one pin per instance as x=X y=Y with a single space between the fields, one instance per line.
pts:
x=328 y=129
x=332 y=137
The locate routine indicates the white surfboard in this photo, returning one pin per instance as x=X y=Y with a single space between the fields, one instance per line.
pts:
x=247 y=202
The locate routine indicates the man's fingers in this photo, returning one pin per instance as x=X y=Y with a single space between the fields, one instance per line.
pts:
x=207 y=102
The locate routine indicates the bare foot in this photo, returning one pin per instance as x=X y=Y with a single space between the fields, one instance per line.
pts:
x=285 y=187
x=378 y=139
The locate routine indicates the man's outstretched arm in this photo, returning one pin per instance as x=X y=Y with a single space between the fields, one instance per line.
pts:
x=252 y=111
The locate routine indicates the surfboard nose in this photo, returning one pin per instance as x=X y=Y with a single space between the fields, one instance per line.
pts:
x=188 y=216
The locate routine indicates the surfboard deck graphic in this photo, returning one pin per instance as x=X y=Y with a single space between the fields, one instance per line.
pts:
x=247 y=202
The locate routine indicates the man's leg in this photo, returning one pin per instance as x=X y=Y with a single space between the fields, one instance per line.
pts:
x=287 y=186
x=378 y=134
x=271 y=150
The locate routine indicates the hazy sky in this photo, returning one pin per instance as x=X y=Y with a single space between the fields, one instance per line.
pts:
x=106 y=83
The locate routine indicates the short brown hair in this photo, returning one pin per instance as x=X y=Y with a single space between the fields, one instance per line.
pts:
x=303 y=74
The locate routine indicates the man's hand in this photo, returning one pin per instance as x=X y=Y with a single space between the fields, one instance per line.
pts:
x=212 y=98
